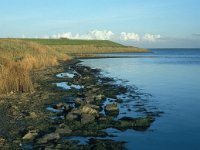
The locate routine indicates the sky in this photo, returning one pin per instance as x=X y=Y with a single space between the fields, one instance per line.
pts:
x=142 y=23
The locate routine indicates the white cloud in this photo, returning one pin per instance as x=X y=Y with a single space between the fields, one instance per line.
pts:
x=107 y=35
x=151 y=37
x=101 y=35
x=95 y=34
x=129 y=36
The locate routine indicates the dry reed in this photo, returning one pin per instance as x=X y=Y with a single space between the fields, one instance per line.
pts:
x=18 y=58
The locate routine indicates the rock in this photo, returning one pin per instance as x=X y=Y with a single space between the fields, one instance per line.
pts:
x=119 y=101
x=63 y=130
x=78 y=101
x=2 y=142
x=140 y=124
x=60 y=105
x=94 y=106
x=86 y=118
x=48 y=137
x=30 y=135
x=99 y=97
x=104 y=144
x=112 y=109
x=71 y=116
x=95 y=89
x=87 y=109
x=33 y=115
x=129 y=109
x=89 y=100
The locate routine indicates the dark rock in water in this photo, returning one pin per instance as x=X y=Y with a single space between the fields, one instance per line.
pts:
x=48 y=138
x=127 y=119
x=106 y=144
x=119 y=101
x=139 y=124
x=155 y=114
x=112 y=109
x=129 y=109
x=86 y=118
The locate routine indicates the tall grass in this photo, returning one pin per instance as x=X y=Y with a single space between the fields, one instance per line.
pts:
x=18 y=58
x=14 y=77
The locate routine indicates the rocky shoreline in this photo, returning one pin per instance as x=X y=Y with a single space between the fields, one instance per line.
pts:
x=71 y=100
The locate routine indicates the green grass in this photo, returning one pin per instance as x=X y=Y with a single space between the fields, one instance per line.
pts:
x=63 y=41
x=83 y=47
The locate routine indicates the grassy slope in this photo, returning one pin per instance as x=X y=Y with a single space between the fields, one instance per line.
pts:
x=100 y=43
x=86 y=46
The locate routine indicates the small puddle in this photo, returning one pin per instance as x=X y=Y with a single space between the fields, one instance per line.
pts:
x=69 y=74
x=54 y=110
x=66 y=86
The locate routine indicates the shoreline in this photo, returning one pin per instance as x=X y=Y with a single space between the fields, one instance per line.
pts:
x=35 y=128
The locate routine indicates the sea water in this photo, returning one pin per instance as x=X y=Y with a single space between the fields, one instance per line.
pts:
x=172 y=77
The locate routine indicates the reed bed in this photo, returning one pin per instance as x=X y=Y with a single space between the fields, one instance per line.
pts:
x=18 y=58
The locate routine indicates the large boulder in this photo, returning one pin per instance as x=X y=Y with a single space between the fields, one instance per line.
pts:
x=88 y=109
x=30 y=135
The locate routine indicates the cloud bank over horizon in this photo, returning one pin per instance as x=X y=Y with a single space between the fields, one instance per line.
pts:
x=106 y=35
x=92 y=35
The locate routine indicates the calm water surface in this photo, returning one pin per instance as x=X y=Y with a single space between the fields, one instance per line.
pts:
x=172 y=77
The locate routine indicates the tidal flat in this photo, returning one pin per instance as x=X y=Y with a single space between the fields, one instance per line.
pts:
x=79 y=116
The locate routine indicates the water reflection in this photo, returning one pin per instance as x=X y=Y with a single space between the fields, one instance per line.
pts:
x=172 y=77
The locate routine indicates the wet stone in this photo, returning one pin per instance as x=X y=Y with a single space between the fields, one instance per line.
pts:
x=30 y=135
x=60 y=105
x=79 y=101
x=112 y=109
x=86 y=118
x=65 y=130
x=48 y=137
x=71 y=116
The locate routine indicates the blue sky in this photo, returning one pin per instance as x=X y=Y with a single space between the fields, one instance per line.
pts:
x=143 y=23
